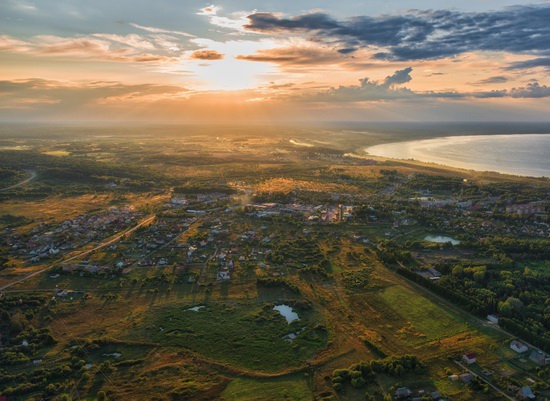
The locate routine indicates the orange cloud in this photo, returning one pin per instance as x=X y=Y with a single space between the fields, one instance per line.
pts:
x=115 y=48
x=295 y=56
x=207 y=55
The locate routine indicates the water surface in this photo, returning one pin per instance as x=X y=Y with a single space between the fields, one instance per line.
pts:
x=522 y=154
x=287 y=312
x=441 y=239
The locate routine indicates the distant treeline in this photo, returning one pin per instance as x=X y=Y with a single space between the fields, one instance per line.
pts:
x=83 y=170
x=204 y=188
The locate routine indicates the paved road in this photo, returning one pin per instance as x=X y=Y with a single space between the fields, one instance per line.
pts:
x=19 y=184
x=104 y=244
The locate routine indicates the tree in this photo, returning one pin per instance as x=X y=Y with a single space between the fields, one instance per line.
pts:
x=18 y=322
x=101 y=396
x=358 y=382
x=458 y=271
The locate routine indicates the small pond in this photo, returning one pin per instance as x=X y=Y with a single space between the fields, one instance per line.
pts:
x=287 y=312
x=195 y=308
x=441 y=239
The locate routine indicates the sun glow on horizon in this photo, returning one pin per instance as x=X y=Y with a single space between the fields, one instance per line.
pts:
x=228 y=74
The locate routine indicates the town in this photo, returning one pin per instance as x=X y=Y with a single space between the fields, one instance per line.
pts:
x=381 y=281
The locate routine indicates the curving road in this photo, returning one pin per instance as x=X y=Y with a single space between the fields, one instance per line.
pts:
x=19 y=184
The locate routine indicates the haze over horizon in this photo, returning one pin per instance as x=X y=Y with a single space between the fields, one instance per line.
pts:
x=240 y=61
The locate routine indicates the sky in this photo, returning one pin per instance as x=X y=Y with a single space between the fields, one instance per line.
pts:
x=175 y=61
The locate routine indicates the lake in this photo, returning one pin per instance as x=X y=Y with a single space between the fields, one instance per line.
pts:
x=523 y=154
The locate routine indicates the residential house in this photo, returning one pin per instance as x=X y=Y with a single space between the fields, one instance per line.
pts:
x=539 y=357
x=223 y=275
x=492 y=319
x=466 y=377
x=526 y=394
x=402 y=393
x=518 y=346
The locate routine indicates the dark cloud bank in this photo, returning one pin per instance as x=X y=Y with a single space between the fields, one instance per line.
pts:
x=420 y=35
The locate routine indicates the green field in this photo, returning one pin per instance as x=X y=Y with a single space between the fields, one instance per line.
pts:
x=428 y=321
x=243 y=335
x=277 y=389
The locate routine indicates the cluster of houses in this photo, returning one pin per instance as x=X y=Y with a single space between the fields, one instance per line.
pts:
x=149 y=240
x=182 y=201
x=404 y=393
x=46 y=241
x=478 y=204
x=475 y=223
x=319 y=213
x=536 y=356
x=86 y=268
x=526 y=209
x=439 y=203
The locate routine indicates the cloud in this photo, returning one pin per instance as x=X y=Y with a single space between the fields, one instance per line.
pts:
x=10 y=44
x=492 y=80
x=281 y=86
x=40 y=93
x=151 y=58
x=419 y=35
x=387 y=90
x=209 y=10
x=160 y=30
x=295 y=55
x=117 y=48
x=84 y=46
x=347 y=50
x=533 y=90
x=399 y=77
x=234 y=22
x=207 y=55
x=271 y=22
x=533 y=63
x=367 y=90
x=132 y=40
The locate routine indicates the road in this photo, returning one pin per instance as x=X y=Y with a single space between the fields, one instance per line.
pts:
x=482 y=377
x=19 y=184
x=104 y=244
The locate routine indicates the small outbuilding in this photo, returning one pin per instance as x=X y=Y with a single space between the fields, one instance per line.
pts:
x=469 y=358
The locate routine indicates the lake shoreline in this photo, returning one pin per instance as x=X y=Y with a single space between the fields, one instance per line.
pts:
x=512 y=154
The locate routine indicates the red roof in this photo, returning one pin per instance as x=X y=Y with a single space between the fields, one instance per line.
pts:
x=470 y=355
